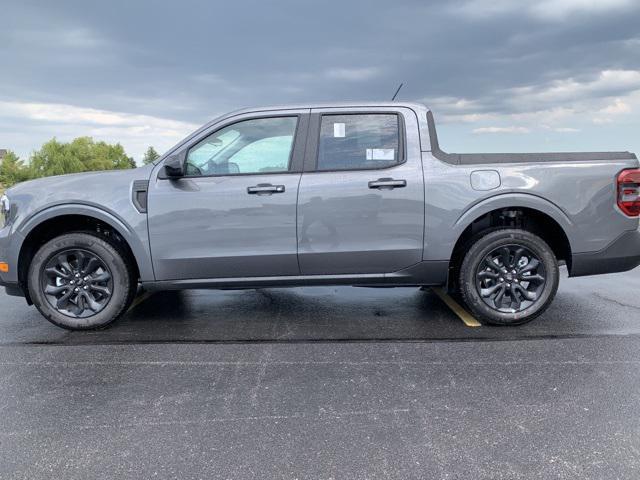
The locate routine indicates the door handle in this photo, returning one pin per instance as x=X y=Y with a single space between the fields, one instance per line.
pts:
x=390 y=183
x=265 y=189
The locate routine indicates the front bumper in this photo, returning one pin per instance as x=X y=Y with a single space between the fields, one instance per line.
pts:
x=622 y=255
x=9 y=249
x=12 y=288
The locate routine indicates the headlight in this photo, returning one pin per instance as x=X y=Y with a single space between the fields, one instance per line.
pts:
x=5 y=208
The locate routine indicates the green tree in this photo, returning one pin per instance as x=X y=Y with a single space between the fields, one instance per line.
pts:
x=81 y=155
x=56 y=158
x=150 y=156
x=13 y=170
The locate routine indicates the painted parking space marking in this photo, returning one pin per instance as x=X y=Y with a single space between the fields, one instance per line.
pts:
x=462 y=314
x=139 y=299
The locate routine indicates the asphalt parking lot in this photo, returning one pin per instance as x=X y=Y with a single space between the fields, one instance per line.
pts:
x=325 y=383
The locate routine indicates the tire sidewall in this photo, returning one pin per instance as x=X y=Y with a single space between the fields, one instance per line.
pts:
x=482 y=247
x=112 y=258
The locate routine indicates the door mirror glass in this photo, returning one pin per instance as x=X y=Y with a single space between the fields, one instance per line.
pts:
x=174 y=166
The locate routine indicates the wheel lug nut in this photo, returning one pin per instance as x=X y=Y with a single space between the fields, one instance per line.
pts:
x=76 y=289
x=501 y=280
x=508 y=285
x=72 y=282
x=85 y=287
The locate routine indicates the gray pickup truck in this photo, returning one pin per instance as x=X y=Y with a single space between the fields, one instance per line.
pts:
x=350 y=194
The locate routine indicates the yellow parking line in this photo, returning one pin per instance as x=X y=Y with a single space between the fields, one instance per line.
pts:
x=465 y=316
x=139 y=299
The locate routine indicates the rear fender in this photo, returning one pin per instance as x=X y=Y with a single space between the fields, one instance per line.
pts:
x=509 y=200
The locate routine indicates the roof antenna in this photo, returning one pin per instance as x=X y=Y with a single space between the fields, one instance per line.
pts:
x=396 y=94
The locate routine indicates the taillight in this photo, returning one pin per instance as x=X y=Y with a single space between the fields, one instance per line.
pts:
x=629 y=192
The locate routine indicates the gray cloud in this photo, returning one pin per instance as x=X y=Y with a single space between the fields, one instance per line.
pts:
x=496 y=66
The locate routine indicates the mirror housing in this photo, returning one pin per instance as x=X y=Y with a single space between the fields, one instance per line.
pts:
x=174 y=166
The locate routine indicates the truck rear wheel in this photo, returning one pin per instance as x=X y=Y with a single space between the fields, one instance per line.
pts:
x=79 y=281
x=508 y=277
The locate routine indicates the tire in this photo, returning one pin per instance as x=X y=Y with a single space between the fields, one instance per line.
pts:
x=66 y=265
x=519 y=273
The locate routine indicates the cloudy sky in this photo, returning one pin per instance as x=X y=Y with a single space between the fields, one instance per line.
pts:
x=500 y=75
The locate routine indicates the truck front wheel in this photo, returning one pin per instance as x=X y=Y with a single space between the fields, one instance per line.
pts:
x=508 y=277
x=79 y=281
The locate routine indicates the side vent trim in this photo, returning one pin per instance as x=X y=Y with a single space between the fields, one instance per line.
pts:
x=139 y=194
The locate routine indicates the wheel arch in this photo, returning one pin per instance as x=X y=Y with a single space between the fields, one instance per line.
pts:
x=527 y=212
x=55 y=221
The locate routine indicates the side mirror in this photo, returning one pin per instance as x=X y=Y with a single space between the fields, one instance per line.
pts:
x=174 y=166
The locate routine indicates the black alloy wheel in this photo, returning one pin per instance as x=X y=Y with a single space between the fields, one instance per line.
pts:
x=77 y=283
x=510 y=278
x=82 y=281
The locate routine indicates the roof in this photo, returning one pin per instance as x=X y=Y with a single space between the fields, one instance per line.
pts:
x=351 y=104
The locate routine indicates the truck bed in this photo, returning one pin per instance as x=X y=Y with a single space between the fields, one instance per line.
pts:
x=488 y=158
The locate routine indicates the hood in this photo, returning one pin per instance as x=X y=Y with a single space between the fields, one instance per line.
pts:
x=109 y=190
x=80 y=181
x=57 y=182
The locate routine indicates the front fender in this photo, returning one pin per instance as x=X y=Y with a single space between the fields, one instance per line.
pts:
x=135 y=234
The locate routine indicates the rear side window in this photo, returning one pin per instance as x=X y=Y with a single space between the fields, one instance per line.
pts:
x=359 y=142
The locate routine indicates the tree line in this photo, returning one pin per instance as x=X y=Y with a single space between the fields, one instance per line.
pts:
x=57 y=158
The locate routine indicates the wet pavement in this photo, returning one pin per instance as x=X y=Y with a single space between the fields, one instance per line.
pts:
x=325 y=382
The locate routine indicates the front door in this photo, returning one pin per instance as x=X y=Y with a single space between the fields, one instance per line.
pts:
x=234 y=213
x=361 y=199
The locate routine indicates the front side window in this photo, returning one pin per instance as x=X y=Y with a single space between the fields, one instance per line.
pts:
x=260 y=145
x=357 y=142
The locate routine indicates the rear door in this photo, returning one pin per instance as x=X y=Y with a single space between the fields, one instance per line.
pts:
x=361 y=196
x=234 y=213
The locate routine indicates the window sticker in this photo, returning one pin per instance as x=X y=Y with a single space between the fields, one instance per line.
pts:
x=381 y=154
x=338 y=130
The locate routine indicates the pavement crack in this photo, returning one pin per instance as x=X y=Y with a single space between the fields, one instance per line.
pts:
x=617 y=302
x=262 y=370
x=266 y=361
x=251 y=418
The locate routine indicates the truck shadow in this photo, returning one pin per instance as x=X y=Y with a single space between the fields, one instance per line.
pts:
x=351 y=314
x=297 y=314
x=584 y=307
